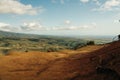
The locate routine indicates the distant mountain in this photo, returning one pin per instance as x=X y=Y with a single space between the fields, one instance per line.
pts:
x=5 y=34
x=19 y=35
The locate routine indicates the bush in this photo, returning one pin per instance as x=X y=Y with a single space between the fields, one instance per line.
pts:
x=90 y=43
x=35 y=40
x=49 y=49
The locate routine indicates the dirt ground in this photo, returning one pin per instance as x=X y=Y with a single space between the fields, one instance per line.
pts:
x=96 y=62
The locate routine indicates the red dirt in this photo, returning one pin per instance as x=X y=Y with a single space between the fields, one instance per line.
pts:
x=81 y=64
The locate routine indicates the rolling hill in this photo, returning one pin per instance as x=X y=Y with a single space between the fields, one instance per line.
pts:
x=19 y=35
x=31 y=42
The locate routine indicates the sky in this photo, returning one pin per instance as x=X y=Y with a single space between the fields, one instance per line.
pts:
x=61 y=17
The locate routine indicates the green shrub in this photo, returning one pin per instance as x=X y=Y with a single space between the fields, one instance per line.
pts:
x=90 y=43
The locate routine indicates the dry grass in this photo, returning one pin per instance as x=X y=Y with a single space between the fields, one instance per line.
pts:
x=63 y=65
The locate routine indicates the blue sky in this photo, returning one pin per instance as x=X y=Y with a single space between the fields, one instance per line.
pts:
x=61 y=17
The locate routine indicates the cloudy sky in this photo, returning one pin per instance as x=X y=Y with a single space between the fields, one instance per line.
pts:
x=61 y=17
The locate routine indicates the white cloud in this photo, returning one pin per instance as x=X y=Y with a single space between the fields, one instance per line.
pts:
x=67 y=22
x=89 y=26
x=84 y=1
x=36 y=26
x=7 y=27
x=55 y=1
x=97 y=2
x=4 y=24
x=32 y=26
x=16 y=7
x=116 y=21
x=109 y=5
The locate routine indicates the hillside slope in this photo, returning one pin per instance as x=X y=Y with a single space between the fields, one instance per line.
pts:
x=102 y=64
x=88 y=63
